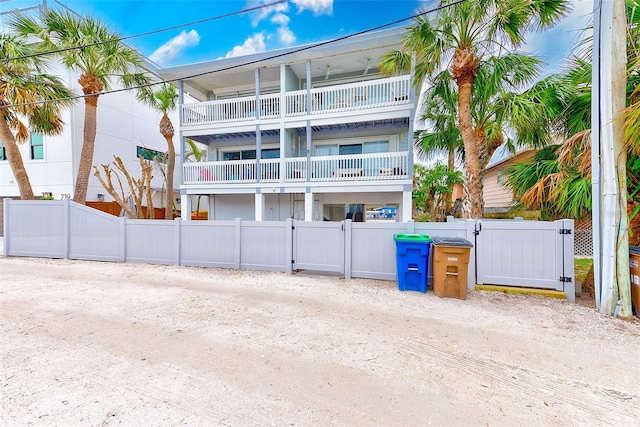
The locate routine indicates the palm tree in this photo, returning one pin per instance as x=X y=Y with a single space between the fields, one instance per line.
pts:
x=439 y=114
x=460 y=37
x=164 y=100
x=29 y=99
x=101 y=58
x=631 y=115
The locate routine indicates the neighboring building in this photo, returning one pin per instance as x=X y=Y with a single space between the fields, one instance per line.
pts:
x=125 y=128
x=304 y=132
x=498 y=198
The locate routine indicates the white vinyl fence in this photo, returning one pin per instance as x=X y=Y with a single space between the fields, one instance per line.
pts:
x=519 y=253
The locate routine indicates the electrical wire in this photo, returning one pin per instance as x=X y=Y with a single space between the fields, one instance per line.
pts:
x=244 y=64
x=149 y=33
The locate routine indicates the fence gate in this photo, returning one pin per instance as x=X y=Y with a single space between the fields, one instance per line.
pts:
x=535 y=254
x=318 y=246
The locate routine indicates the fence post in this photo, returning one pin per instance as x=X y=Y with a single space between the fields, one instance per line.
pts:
x=177 y=243
x=123 y=239
x=5 y=225
x=411 y=226
x=348 y=227
x=472 y=278
x=568 y=258
x=238 y=248
x=67 y=227
x=288 y=245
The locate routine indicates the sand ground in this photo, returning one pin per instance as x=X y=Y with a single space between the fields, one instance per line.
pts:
x=90 y=343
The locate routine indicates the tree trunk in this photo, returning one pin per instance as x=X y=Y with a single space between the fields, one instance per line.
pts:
x=91 y=85
x=166 y=129
x=15 y=161
x=451 y=165
x=86 y=156
x=473 y=172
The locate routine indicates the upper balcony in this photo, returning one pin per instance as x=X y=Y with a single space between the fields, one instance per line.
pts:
x=317 y=169
x=368 y=95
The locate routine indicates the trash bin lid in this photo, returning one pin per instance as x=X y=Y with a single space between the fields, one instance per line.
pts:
x=451 y=241
x=634 y=250
x=411 y=238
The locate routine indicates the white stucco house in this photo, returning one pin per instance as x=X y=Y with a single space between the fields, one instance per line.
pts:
x=125 y=128
x=312 y=132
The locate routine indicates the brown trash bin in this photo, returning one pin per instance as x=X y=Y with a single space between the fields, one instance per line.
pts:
x=450 y=266
x=634 y=270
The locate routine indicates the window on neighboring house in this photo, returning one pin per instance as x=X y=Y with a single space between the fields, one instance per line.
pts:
x=3 y=153
x=149 y=154
x=37 y=146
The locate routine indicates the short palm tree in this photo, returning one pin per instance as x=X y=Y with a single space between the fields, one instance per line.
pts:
x=164 y=100
x=102 y=57
x=439 y=112
x=460 y=37
x=29 y=99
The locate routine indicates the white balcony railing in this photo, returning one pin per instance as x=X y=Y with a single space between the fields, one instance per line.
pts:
x=346 y=97
x=354 y=167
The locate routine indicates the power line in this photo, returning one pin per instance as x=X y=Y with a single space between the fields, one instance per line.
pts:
x=231 y=67
x=149 y=33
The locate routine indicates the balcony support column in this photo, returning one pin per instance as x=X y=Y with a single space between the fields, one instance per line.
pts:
x=308 y=205
x=185 y=207
x=308 y=177
x=259 y=206
x=406 y=203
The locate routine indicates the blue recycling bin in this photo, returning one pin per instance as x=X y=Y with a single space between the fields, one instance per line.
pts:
x=412 y=261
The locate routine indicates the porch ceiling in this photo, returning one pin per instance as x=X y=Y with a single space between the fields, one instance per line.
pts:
x=324 y=130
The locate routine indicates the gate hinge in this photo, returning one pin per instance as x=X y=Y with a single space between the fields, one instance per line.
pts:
x=564 y=231
x=293 y=261
x=565 y=279
x=293 y=227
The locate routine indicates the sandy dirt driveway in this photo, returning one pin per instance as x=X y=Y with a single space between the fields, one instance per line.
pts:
x=89 y=343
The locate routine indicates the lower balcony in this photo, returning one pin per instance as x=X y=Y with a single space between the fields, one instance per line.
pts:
x=345 y=168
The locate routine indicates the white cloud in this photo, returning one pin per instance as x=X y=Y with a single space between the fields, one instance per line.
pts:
x=251 y=45
x=318 y=7
x=277 y=15
x=285 y=35
x=262 y=14
x=280 y=19
x=168 y=51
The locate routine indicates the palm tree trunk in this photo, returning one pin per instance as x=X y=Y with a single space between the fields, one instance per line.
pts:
x=473 y=173
x=166 y=128
x=171 y=166
x=88 y=145
x=15 y=161
x=451 y=164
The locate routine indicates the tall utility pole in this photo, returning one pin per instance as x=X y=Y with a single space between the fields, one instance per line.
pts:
x=610 y=220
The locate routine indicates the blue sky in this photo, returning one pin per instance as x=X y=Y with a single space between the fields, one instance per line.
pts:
x=296 y=22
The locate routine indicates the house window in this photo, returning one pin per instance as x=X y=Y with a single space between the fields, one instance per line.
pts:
x=376 y=147
x=152 y=155
x=37 y=146
x=273 y=153
x=326 y=150
x=3 y=152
